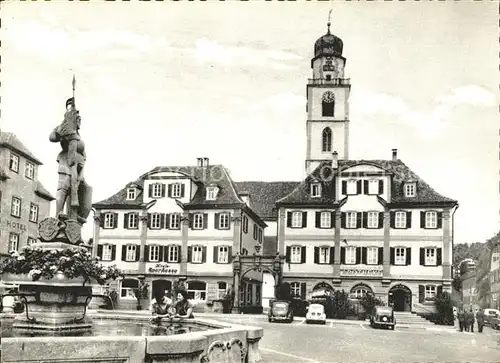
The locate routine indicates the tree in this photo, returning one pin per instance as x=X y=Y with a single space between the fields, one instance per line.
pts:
x=444 y=306
x=284 y=292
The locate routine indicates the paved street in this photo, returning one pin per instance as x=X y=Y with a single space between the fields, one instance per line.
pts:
x=300 y=342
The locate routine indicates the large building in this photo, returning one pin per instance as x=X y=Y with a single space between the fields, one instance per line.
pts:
x=494 y=276
x=24 y=201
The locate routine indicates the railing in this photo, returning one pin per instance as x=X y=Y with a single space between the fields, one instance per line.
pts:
x=332 y=81
x=367 y=270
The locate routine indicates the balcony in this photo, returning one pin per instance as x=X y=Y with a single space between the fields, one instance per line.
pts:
x=330 y=82
x=363 y=270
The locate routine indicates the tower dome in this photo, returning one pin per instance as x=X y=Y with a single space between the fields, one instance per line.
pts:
x=328 y=44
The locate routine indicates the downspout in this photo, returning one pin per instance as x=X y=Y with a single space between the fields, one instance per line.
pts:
x=453 y=231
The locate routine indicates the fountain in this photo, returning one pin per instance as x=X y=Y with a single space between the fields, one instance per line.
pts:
x=55 y=275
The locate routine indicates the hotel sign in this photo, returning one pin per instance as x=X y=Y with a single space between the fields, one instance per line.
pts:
x=14 y=225
x=164 y=269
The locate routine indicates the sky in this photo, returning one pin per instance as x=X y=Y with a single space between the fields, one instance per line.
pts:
x=162 y=83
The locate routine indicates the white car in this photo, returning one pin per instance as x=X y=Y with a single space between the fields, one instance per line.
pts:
x=316 y=314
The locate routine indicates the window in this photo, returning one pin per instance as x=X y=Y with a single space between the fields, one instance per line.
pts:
x=109 y=220
x=372 y=220
x=175 y=221
x=324 y=255
x=173 y=253
x=325 y=220
x=410 y=190
x=261 y=235
x=224 y=221
x=29 y=170
x=223 y=254
x=154 y=253
x=221 y=289
x=352 y=187
x=359 y=292
x=157 y=190
x=155 y=221
x=131 y=251
x=31 y=241
x=131 y=194
x=245 y=224
x=295 y=288
x=197 y=291
x=400 y=220
x=296 y=219
x=431 y=220
x=255 y=232
x=371 y=255
x=212 y=193
x=430 y=256
x=33 y=213
x=197 y=254
x=430 y=292
x=13 y=242
x=327 y=140
x=316 y=190
x=107 y=251
x=15 y=207
x=328 y=104
x=400 y=256
x=373 y=186
x=127 y=289
x=176 y=190
x=350 y=255
x=296 y=254
x=328 y=77
x=133 y=220
x=198 y=221
x=351 y=220
x=14 y=163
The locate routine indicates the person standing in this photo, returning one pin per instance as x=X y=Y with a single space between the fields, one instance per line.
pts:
x=480 y=320
x=461 y=319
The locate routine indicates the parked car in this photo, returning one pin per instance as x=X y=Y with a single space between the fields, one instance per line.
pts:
x=280 y=311
x=316 y=314
x=495 y=323
x=489 y=315
x=382 y=316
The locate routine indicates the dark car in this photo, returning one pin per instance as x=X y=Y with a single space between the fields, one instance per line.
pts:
x=382 y=316
x=280 y=311
x=495 y=323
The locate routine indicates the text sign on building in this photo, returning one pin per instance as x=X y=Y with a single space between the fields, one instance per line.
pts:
x=163 y=268
x=13 y=225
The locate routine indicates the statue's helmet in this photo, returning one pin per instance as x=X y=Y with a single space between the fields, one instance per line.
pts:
x=70 y=102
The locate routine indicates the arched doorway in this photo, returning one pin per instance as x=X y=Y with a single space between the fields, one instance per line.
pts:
x=400 y=298
x=161 y=285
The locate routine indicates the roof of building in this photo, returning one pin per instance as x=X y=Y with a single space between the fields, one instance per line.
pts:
x=400 y=172
x=10 y=140
x=44 y=193
x=263 y=195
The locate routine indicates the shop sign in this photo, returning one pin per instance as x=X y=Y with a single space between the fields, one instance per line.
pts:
x=163 y=268
x=14 y=225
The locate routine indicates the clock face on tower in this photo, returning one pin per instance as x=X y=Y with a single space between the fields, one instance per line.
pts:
x=328 y=97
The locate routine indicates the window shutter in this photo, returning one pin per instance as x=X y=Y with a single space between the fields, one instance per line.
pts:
x=230 y=254
x=342 y=219
x=422 y=256
x=332 y=220
x=303 y=290
x=161 y=253
x=408 y=219
x=183 y=188
x=115 y=220
x=358 y=255
x=163 y=190
x=137 y=252
x=440 y=220
x=205 y=220
x=318 y=219
x=99 y=251
x=146 y=253
x=342 y=255
x=216 y=255
x=191 y=220
x=124 y=253
x=150 y=194
x=149 y=220
x=288 y=253
x=162 y=221
x=439 y=256
x=288 y=219
x=216 y=221
x=303 y=255
x=332 y=255
x=344 y=187
x=364 y=255
x=167 y=221
x=113 y=252
x=381 y=220
x=422 y=219
x=316 y=254
x=421 y=293
x=365 y=187
x=392 y=256
x=170 y=191
x=179 y=253
x=439 y=289
x=101 y=220
x=380 y=256
x=190 y=254
x=364 y=216
x=304 y=219
x=359 y=219
x=204 y=254
x=393 y=219
x=380 y=187
x=359 y=186
x=125 y=220
x=408 y=256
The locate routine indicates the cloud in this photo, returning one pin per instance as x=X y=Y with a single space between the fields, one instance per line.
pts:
x=282 y=102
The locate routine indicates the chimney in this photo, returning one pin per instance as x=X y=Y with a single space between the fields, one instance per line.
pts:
x=335 y=160
x=205 y=161
x=394 y=154
x=199 y=161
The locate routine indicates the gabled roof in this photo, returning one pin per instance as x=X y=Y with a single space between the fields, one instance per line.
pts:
x=263 y=195
x=10 y=140
x=42 y=192
x=400 y=172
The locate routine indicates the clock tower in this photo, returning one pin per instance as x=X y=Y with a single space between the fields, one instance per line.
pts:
x=327 y=103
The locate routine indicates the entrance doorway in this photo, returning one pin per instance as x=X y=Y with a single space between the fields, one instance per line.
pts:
x=400 y=298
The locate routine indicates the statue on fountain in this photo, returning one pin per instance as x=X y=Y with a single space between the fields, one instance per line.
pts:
x=72 y=190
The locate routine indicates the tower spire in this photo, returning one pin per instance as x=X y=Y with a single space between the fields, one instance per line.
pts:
x=329 y=20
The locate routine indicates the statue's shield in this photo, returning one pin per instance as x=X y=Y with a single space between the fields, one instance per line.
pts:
x=85 y=199
x=73 y=231
x=48 y=229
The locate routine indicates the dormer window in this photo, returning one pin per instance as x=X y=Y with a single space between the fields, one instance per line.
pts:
x=315 y=190
x=410 y=190
x=212 y=193
x=352 y=187
x=29 y=171
x=131 y=193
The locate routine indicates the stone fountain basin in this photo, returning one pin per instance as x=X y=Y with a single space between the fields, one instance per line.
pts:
x=221 y=342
